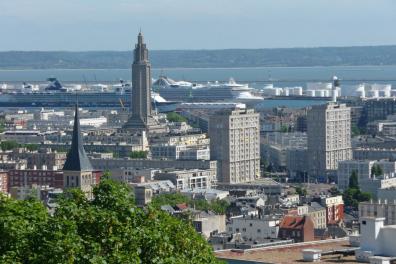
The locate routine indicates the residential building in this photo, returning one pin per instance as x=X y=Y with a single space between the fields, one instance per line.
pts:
x=296 y=162
x=367 y=182
x=180 y=152
x=157 y=187
x=298 y=228
x=388 y=194
x=329 y=138
x=110 y=164
x=132 y=174
x=235 y=145
x=254 y=228
x=318 y=215
x=30 y=177
x=275 y=146
x=188 y=179
x=380 y=208
x=334 y=209
x=143 y=195
x=314 y=210
x=3 y=182
x=207 y=223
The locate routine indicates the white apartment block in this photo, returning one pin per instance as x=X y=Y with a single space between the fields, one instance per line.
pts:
x=329 y=137
x=180 y=152
x=188 y=179
x=235 y=144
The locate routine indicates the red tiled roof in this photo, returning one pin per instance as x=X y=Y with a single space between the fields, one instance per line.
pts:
x=292 y=222
x=182 y=206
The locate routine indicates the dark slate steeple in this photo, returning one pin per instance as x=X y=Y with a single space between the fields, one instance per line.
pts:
x=77 y=159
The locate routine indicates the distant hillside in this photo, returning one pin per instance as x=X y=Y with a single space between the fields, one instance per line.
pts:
x=354 y=56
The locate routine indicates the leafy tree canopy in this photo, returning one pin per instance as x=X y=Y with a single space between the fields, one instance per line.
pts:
x=138 y=154
x=353 y=180
x=376 y=170
x=107 y=229
x=217 y=206
x=353 y=195
x=175 y=117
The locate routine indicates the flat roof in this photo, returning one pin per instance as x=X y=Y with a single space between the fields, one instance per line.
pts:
x=291 y=253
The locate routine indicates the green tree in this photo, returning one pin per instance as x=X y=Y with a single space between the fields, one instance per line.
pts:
x=9 y=145
x=355 y=130
x=2 y=127
x=334 y=191
x=175 y=117
x=31 y=147
x=172 y=199
x=376 y=170
x=353 y=195
x=353 y=180
x=140 y=154
x=107 y=229
x=301 y=191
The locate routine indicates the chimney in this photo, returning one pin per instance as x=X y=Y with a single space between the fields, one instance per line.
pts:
x=334 y=91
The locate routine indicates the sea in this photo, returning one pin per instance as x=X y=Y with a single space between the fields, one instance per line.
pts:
x=255 y=77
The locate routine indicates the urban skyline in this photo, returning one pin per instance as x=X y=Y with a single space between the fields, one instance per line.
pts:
x=170 y=170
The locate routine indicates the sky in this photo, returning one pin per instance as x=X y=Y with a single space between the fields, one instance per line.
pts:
x=80 y=25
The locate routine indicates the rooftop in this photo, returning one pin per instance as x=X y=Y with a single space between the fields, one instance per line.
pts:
x=291 y=253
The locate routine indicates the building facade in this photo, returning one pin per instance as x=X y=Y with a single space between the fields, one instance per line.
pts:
x=188 y=179
x=3 y=182
x=235 y=144
x=30 y=177
x=329 y=138
x=254 y=228
x=380 y=208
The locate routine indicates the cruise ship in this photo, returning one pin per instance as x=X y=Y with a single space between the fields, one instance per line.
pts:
x=54 y=94
x=187 y=91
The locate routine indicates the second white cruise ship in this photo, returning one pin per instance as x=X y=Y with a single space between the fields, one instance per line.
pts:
x=187 y=91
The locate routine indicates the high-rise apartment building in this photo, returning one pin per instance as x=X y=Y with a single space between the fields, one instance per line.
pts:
x=329 y=138
x=235 y=144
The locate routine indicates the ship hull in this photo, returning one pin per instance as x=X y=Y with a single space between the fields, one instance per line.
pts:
x=60 y=99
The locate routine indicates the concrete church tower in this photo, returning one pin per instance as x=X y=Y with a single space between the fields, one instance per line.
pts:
x=142 y=118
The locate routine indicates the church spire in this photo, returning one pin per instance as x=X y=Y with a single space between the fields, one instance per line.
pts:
x=77 y=159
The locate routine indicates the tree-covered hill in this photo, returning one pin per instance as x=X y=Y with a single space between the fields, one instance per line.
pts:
x=331 y=56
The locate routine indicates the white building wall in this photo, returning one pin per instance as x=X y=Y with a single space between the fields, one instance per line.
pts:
x=253 y=228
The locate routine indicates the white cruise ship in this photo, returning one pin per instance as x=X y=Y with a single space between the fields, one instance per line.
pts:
x=187 y=91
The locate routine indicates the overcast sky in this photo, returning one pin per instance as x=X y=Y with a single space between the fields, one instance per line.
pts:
x=194 y=24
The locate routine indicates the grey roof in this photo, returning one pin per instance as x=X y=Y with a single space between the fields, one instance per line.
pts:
x=315 y=207
x=77 y=159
